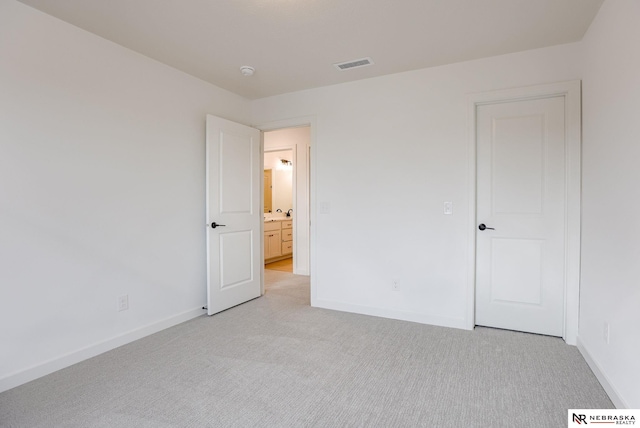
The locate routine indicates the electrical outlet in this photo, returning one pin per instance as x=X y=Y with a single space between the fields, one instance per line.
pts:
x=395 y=286
x=123 y=303
x=325 y=208
x=605 y=332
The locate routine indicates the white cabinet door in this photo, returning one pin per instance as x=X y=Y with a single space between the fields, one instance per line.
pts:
x=233 y=202
x=273 y=244
x=521 y=194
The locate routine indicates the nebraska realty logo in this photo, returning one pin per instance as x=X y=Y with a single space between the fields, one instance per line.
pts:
x=602 y=416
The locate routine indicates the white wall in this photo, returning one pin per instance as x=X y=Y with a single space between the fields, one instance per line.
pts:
x=388 y=152
x=610 y=285
x=298 y=139
x=101 y=192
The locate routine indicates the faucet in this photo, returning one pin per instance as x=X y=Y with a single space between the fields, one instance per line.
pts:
x=289 y=212
x=278 y=210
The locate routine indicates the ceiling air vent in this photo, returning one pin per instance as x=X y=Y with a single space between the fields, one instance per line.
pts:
x=356 y=63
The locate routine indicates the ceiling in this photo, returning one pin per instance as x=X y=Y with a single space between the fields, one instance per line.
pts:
x=293 y=43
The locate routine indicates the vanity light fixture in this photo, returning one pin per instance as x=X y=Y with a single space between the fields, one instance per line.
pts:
x=285 y=164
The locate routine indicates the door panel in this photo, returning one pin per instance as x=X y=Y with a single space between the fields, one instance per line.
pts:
x=517 y=167
x=521 y=259
x=521 y=194
x=233 y=202
x=234 y=163
x=235 y=265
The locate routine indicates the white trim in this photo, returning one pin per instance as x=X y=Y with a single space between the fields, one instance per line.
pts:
x=571 y=92
x=311 y=167
x=391 y=313
x=295 y=122
x=261 y=213
x=34 y=372
x=611 y=391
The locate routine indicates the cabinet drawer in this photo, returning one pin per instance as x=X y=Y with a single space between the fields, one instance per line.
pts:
x=287 y=224
x=287 y=247
x=287 y=235
x=272 y=225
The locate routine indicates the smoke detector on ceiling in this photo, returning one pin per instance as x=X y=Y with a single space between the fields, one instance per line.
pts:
x=247 y=70
x=356 y=63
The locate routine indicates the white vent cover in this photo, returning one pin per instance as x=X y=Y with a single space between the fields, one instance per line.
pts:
x=356 y=63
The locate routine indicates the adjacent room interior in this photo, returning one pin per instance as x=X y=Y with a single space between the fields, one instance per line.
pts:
x=278 y=210
x=381 y=174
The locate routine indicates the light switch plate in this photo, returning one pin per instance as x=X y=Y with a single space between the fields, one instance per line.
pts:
x=448 y=208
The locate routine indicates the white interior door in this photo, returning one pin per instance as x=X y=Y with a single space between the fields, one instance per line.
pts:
x=234 y=214
x=520 y=263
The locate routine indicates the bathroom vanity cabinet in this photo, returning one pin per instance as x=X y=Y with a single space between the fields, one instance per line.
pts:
x=278 y=240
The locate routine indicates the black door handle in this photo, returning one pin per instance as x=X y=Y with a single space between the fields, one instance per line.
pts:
x=214 y=225
x=483 y=227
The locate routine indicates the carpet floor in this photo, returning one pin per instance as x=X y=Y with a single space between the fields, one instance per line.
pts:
x=277 y=362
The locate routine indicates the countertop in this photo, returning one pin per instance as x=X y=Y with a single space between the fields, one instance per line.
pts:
x=267 y=220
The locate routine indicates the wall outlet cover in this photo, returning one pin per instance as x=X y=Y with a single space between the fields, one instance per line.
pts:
x=325 y=208
x=123 y=302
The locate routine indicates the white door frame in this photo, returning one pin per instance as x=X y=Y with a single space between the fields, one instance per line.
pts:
x=294 y=123
x=571 y=91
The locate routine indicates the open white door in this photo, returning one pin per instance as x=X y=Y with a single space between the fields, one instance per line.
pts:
x=234 y=214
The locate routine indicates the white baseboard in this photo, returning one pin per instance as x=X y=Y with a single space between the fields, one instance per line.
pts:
x=23 y=376
x=611 y=391
x=392 y=314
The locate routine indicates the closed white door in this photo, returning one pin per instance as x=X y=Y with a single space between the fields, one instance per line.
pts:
x=520 y=254
x=234 y=214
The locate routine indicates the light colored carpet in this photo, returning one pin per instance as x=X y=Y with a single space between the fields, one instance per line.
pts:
x=277 y=362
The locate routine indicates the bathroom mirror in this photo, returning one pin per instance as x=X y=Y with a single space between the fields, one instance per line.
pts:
x=278 y=181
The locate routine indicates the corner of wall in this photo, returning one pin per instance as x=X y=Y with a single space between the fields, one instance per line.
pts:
x=611 y=390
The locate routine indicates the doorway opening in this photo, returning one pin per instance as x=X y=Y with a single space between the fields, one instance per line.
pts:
x=278 y=210
x=286 y=197
x=234 y=201
x=568 y=187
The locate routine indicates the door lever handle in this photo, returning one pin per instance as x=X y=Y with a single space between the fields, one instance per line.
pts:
x=214 y=225
x=483 y=227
